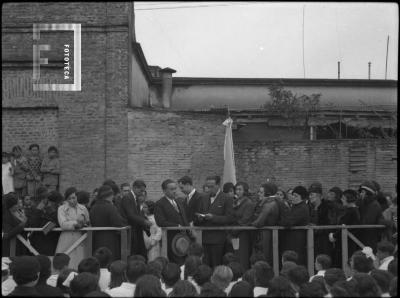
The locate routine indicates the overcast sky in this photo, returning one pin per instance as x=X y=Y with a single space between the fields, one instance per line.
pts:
x=264 y=40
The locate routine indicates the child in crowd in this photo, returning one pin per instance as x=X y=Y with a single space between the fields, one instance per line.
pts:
x=50 y=169
x=170 y=276
x=104 y=256
x=33 y=176
x=60 y=262
x=322 y=263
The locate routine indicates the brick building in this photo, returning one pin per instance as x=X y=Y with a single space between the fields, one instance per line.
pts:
x=132 y=120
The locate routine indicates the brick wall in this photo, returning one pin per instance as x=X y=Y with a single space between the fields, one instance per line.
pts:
x=92 y=124
x=172 y=144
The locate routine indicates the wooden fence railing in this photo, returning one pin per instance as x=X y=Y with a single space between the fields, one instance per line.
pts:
x=87 y=236
x=345 y=234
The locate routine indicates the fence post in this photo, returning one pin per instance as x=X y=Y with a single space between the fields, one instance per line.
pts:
x=345 y=251
x=275 y=251
x=13 y=246
x=124 y=245
x=310 y=251
x=89 y=241
x=164 y=243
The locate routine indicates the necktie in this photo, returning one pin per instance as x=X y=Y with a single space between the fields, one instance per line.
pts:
x=175 y=205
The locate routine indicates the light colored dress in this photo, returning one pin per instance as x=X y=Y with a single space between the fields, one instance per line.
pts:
x=7 y=178
x=152 y=243
x=67 y=218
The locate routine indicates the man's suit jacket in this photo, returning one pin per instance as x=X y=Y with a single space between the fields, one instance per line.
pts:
x=193 y=206
x=166 y=215
x=132 y=216
x=222 y=211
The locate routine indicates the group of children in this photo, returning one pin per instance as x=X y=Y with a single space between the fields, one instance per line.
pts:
x=97 y=276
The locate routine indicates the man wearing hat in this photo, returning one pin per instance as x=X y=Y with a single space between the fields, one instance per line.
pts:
x=25 y=271
x=370 y=214
x=169 y=212
x=319 y=216
x=105 y=214
x=298 y=215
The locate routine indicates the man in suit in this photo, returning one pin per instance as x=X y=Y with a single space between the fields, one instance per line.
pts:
x=216 y=210
x=193 y=197
x=170 y=212
x=130 y=212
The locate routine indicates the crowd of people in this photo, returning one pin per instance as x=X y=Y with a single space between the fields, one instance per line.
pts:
x=182 y=205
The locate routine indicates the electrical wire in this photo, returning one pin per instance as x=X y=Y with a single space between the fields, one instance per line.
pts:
x=198 y=6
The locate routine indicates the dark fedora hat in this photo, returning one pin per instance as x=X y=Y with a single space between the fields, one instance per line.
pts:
x=180 y=244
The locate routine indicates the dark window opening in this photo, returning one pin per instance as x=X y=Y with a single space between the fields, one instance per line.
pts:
x=343 y=131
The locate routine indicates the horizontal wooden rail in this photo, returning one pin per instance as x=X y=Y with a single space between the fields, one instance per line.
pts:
x=83 y=229
x=312 y=227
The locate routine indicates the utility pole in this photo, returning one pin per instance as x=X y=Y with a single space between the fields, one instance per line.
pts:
x=338 y=70
x=369 y=70
x=387 y=52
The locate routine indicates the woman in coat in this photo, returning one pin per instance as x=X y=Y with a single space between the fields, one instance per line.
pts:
x=104 y=214
x=152 y=242
x=21 y=168
x=298 y=215
x=243 y=209
x=72 y=216
x=14 y=221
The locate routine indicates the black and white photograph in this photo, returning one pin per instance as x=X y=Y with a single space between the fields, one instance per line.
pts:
x=199 y=149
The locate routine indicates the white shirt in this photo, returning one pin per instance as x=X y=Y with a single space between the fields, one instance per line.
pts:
x=229 y=287
x=125 y=290
x=319 y=273
x=216 y=195
x=7 y=178
x=385 y=263
x=183 y=272
x=105 y=278
x=258 y=291
x=190 y=195
x=52 y=280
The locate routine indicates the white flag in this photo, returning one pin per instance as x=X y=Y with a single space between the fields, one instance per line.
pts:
x=229 y=158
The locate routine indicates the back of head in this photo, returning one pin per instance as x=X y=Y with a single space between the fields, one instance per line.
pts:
x=25 y=269
x=382 y=278
x=321 y=281
x=229 y=257
x=255 y=257
x=366 y=285
x=211 y=290
x=237 y=270
x=312 y=289
x=83 y=197
x=290 y=255
x=45 y=267
x=104 y=256
x=361 y=263
x=162 y=260
x=62 y=278
x=171 y=274
x=279 y=286
x=337 y=291
x=250 y=277
x=155 y=268
x=302 y=191
x=61 y=261
x=118 y=273
x=286 y=266
x=83 y=284
x=203 y=275
x=192 y=263
x=148 y=286
x=183 y=288
x=270 y=189
x=241 y=289
x=222 y=276
x=112 y=185
x=349 y=286
x=135 y=270
x=324 y=261
x=333 y=275
x=263 y=274
x=97 y=294
x=90 y=265
x=386 y=247
x=298 y=275
x=137 y=258
x=227 y=187
x=350 y=195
